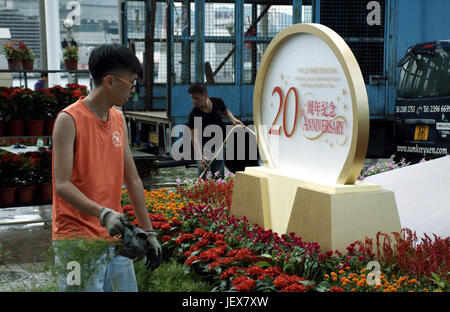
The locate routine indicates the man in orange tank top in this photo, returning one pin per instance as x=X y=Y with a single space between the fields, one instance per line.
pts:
x=91 y=160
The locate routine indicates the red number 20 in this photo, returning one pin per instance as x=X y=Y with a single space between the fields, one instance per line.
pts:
x=283 y=106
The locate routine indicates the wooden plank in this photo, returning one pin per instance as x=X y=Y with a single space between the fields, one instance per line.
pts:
x=152 y=116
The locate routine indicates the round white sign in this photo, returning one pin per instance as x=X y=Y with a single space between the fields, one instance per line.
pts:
x=310 y=106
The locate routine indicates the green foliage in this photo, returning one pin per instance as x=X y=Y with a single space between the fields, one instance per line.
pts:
x=71 y=53
x=170 y=276
x=89 y=253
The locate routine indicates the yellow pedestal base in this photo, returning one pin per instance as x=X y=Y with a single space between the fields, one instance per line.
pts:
x=332 y=215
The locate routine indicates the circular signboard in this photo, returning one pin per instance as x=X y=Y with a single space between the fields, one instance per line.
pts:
x=310 y=106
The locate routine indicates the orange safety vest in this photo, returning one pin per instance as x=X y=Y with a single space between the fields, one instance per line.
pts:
x=98 y=172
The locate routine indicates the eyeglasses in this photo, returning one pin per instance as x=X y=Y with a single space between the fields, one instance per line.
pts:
x=130 y=84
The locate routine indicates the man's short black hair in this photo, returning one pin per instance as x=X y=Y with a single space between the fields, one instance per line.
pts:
x=197 y=88
x=44 y=75
x=112 y=58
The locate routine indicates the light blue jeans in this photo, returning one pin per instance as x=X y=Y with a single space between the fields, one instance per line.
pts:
x=116 y=275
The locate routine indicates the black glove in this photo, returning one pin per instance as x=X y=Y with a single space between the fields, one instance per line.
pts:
x=140 y=244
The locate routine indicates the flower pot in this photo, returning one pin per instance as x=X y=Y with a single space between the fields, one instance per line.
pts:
x=2 y=128
x=7 y=195
x=14 y=64
x=16 y=127
x=25 y=194
x=71 y=64
x=46 y=191
x=35 y=127
x=27 y=64
x=48 y=124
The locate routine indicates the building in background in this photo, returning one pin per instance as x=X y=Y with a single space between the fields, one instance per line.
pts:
x=98 y=24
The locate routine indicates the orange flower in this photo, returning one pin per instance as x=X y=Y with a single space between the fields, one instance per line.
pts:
x=341 y=272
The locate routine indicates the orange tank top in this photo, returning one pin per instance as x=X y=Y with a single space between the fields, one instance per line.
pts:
x=98 y=172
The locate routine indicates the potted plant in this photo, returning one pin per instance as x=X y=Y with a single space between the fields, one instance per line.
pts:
x=48 y=104
x=45 y=174
x=4 y=96
x=27 y=177
x=8 y=183
x=36 y=112
x=16 y=110
x=71 y=57
x=13 y=55
x=27 y=56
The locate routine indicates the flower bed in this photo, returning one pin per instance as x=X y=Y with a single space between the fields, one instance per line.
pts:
x=196 y=228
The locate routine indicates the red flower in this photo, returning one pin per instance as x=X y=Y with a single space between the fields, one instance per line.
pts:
x=189 y=260
x=76 y=94
x=239 y=279
x=209 y=235
x=166 y=238
x=176 y=223
x=166 y=227
x=294 y=288
x=233 y=253
x=272 y=271
x=183 y=238
x=221 y=243
x=229 y=272
x=262 y=277
x=243 y=283
x=199 y=232
x=225 y=261
x=187 y=254
x=282 y=281
x=202 y=243
x=336 y=289
x=255 y=270
x=157 y=217
x=213 y=265
x=248 y=285
x=244 y=254
x=219 y=237
x=157 y=224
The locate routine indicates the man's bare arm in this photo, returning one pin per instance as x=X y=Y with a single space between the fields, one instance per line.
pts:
x=134 y=186
x=229 y=115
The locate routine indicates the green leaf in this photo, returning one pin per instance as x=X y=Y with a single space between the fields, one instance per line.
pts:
x=266 y=256
x=263 y=264
x=435 y=276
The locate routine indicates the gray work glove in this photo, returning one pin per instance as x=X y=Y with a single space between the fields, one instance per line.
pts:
x=154 y=251
x=112 y=220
